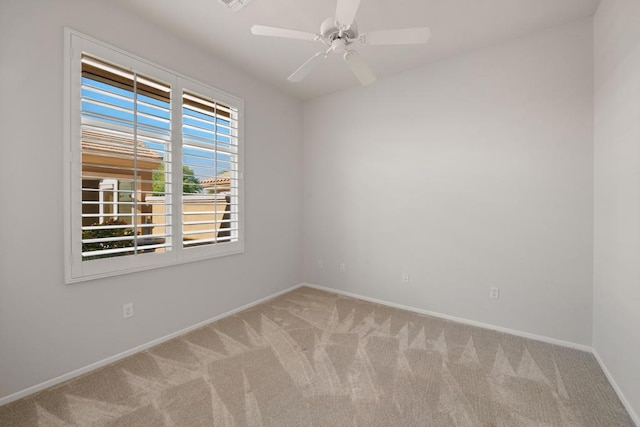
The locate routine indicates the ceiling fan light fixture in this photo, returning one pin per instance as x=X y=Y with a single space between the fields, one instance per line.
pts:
x=339 y=46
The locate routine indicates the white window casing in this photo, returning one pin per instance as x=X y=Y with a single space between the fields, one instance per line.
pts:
x=131 y=128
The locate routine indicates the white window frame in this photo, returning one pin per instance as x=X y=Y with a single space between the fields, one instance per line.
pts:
x=77 y=270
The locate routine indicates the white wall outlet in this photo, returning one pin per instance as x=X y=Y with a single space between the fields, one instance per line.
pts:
x=494 y=293
x=405 y=277
x=127 y=310
x=342 y=268
x=320 y=263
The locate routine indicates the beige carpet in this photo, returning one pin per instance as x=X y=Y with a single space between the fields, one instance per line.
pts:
x=312 y=358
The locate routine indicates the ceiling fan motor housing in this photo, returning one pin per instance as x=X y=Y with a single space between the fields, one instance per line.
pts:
x=330 y=31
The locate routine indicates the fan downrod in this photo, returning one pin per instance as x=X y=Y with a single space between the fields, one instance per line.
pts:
x=330 y=31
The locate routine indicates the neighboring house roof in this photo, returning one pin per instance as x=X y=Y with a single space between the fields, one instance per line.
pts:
x=220 y=180
x=93 y=141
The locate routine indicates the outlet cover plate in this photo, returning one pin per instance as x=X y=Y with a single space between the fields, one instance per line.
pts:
x=127 y=310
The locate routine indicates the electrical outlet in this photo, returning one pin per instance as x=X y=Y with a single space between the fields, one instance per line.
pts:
x=494 y=293
x=342 y=268
x=127 y=310
x=320 y=263
x=405 y=277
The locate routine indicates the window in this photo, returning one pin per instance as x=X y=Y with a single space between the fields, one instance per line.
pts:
x=209 y=130
x=153 y=168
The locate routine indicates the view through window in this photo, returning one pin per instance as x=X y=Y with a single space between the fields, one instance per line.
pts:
x=157 y=167
x=126 y=139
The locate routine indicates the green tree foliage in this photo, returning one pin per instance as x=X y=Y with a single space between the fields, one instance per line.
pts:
x=107 y=232
x=190 y=183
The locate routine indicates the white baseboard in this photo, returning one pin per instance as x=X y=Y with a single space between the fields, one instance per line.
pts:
x=68 y=376
x=621 y=396
x=457 y=319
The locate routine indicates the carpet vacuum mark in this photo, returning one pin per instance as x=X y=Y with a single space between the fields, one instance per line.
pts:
x=313 y=358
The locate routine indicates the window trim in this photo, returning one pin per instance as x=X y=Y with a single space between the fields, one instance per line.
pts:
x=76 y=270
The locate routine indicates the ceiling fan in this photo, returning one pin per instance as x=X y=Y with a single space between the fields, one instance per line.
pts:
x=338 y=34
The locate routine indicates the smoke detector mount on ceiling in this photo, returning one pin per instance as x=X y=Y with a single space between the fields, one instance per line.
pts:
x=235 y=5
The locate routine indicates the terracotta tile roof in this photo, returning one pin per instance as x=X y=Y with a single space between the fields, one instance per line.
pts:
x=93 y=141
x=221 y=179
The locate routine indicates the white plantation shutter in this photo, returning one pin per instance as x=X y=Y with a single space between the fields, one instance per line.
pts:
x=210 y=151
x=126 y=142
x=153 y=161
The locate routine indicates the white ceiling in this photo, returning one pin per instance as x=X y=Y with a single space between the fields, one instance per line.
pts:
x=457 y=26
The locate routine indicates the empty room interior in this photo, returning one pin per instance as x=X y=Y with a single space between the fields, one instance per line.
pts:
x=326 y=213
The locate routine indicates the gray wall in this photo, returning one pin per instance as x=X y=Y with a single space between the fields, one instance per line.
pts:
x=616 y=327
x=468 y=173
x=48 y=328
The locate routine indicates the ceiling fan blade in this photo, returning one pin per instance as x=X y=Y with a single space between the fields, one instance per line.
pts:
x=264 y=30
x=359 y=68
x=346 y=11
x=404 y=36
x=304 y=70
